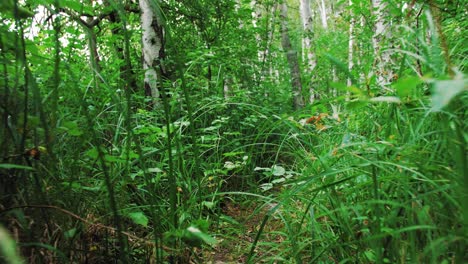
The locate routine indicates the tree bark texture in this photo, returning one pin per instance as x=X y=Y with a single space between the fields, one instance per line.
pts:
x=323 y=14
x=291 y=56
x=381 y=58
x=350 y=47
x=307 y=53
x=153 y=49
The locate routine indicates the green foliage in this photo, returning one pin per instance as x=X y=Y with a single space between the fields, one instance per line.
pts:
x=92 y=171
x=8 y=249
x=11 y=9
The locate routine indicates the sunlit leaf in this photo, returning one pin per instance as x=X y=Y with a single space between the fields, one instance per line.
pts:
x=277 y=170
x=209 y=205
x=280 y=180
x=444 y=91
x=230 y=165
x=139 y=218
x=194 y=233
x=154 y=170
x=386 y=99
x=266 y=186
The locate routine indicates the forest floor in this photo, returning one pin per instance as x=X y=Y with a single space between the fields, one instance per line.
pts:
x=237 y=230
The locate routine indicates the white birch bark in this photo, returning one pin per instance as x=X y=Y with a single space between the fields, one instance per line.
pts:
x=308 y=54
x=350 y=45
x=152 y=45
x=323 y=14
x=381 y=58
x=255 y=16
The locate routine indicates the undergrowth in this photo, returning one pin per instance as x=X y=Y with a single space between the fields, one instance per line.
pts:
x=364 y=174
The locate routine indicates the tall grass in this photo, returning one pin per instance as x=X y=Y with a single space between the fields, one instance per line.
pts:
x=380 y=183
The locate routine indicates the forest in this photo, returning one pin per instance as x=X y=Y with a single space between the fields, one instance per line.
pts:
x=233 y=131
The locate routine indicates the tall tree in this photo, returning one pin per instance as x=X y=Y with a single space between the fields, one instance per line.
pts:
x=153 y=48
x=291 y=55
x=256 y=14
x=382 y=58
x=323 y=14
x=307 y=53
x=351 y=43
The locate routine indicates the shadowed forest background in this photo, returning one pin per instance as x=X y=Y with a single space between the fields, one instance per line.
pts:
x=233 y=131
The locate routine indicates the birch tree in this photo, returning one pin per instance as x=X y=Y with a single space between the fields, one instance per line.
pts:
x=350 y=44
x=152 y=44
x=323 y=14
x=382 y=58
x=291 y=56
x=255 y=16
x=308 y=54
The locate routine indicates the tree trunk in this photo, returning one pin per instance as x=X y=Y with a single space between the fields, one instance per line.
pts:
x=307 y=53
x=152 y=43
x=323 y=14
x=127 y=74
x=93 y=51
x=291 y=56
x=255 y=16
x=350 y=47
x=381 y=58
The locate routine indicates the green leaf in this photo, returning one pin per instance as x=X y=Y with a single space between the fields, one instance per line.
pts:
x=154 y=170
x=76 y=6
x=370 y=255
x=15 y=166
x=194 y=236
x=353 y=105
x=228 y=219
x=385 y=99
x=7 y=7
x=8 y=249
x=72 y=128
x=209 y=205
x=340 y=65
x=230 y=165
x=277 y=170
x=70 y=233
x=355 y=91
x=280 y=180
x=339 y=86
x=112 y=158
x=406 y=86
x=266 y=186
x=233 y=154
x=139 y=218
x=444 y=91
x=79 y=186
x=92 y=153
